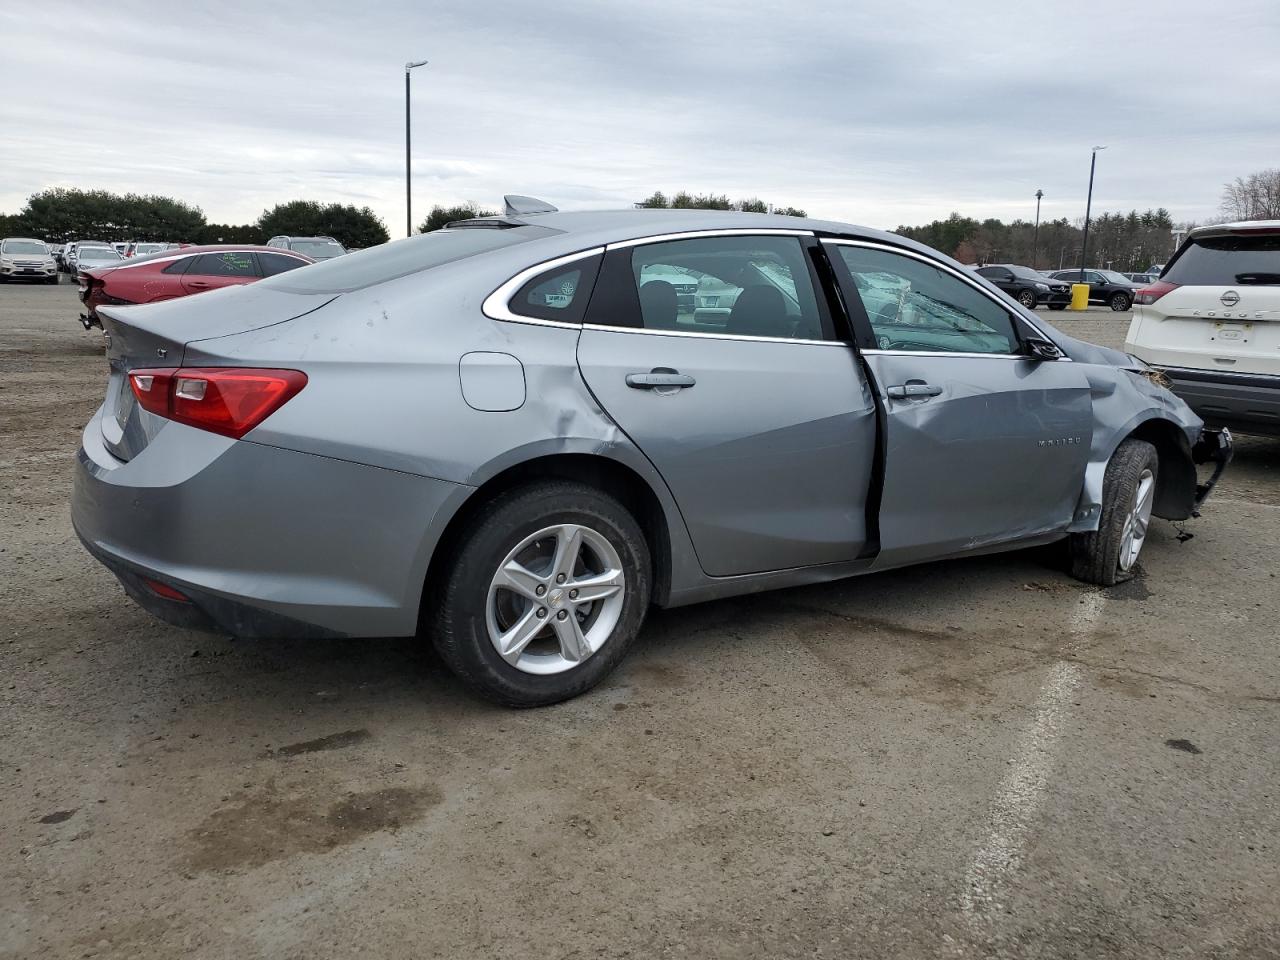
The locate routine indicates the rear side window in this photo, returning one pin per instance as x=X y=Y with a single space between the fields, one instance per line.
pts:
x=733 y=285
x=389 y=261
x=273 y=263
x=224 y=265
x=559 y=294
x=1228 y=262
x=179 y=266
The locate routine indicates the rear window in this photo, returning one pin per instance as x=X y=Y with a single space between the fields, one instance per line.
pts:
x=1228 y=262
x=390 y=261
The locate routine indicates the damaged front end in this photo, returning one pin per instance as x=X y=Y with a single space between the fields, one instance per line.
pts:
x=1216 y=447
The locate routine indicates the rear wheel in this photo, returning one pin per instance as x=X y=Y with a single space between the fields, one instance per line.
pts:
x=1109 y=554
x=1028 y=299
x=1120 y=302
x=549 y=587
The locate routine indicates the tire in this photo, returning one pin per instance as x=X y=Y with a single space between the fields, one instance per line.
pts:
x=522 y=529
x=1097 y=556
x=1027 y=298
x=1057 y=306
x=52 y=280
x=1120 y=302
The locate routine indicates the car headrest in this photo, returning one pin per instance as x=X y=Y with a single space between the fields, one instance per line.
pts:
x=658 y=305
x=760 y=311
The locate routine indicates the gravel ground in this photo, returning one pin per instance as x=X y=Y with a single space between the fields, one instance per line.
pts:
x=967 y=759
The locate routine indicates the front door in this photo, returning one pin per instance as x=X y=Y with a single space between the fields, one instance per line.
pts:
x=984 y=444
x=759 y=420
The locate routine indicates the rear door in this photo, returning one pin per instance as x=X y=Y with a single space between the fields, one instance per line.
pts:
x=983 y=445
x=209 y=271
x=757 y=417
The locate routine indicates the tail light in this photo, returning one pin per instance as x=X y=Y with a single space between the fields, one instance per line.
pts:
x=1149 y=295
x=226 y=400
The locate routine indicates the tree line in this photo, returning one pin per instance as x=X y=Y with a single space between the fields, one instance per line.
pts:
x=60 y=214
x=1128 y=242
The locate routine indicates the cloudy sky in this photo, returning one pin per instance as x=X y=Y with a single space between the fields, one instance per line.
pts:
x=880 y=113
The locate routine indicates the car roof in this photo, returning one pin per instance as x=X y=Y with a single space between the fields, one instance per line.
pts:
x=1240 y=226
x=286 y=236
x=23 y=239
x=575 y=230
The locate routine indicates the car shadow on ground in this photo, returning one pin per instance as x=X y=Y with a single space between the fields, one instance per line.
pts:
x=679 y=643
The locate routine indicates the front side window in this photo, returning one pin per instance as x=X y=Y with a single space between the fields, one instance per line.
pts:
x=913 y=305
x=735 y=286
x=230 y=264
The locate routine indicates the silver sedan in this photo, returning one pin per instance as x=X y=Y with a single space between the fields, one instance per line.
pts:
x=515 y=434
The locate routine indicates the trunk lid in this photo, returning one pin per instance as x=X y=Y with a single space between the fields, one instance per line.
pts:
x=156 y=335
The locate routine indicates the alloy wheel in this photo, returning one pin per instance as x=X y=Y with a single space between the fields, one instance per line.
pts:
x=555 y=599
x=1135 y=524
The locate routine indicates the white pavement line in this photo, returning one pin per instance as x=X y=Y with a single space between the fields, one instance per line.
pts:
x=1020 y=793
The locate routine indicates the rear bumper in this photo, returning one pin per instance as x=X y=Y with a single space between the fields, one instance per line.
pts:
x=1247 y=402
x=264 y=542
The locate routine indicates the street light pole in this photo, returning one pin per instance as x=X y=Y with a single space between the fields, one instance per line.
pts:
x=408 y=178
x=1035 y=244
x=1088 y=206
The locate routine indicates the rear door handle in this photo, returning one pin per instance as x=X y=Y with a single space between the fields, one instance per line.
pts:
x=659 y=378
x=913 y=390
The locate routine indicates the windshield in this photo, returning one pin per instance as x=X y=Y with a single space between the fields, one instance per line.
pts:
x=1026 y=273
x=317 y=249
x=1114 y=277
x=27 y=247
x=96 y=253
x=1227 y=261
x=389 y=261
x=147 y=247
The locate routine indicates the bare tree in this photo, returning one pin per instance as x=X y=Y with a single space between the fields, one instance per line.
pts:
x=1255 y=197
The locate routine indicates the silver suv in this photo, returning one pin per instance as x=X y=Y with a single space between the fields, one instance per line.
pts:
x=317 y=248
x=23 y=258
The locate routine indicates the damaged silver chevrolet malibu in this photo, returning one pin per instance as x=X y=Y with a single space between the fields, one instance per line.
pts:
x=515 y=434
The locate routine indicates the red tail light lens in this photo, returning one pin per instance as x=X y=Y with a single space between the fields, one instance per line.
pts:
x=226 y=400
x=1149 y=295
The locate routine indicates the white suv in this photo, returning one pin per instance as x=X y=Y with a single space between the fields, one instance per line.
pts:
x=1212 y=324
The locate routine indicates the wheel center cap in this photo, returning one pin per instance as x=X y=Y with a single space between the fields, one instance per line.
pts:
x=556 y=597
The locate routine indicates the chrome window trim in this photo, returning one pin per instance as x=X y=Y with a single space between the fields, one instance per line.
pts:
x=955 y=353
x=497 y=305
x=888 y=248
x=699 y=234
x=712 y=335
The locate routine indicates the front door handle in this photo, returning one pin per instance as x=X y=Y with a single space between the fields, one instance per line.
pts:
x=659 y=378
x=913 y=390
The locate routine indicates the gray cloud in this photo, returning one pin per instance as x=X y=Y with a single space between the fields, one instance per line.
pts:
x=878 y=113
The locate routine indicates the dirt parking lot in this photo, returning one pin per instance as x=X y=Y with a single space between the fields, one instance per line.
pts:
x=967 y=759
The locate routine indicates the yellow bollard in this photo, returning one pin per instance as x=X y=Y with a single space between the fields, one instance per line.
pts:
x=1079 y=296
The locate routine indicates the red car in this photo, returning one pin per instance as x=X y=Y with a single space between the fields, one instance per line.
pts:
x=180 y=273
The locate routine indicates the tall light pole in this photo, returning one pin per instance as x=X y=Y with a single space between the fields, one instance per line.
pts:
x=1088 y=205
x=1035 y=244
x=408 y=178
